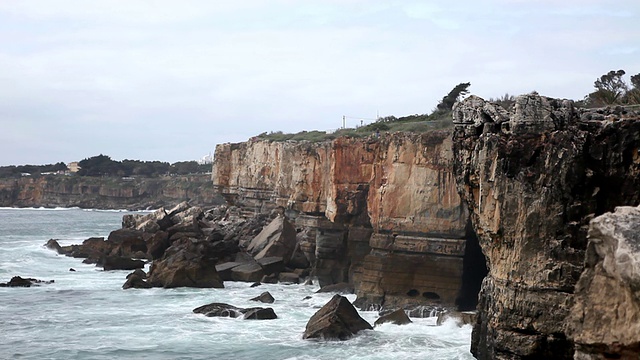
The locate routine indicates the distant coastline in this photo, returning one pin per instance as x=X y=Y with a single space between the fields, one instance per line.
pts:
x=107 y=193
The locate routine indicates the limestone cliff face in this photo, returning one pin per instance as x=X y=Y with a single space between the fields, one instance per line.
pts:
x=604 y=317
x=106 y=193
x=533 y=178
x=382 y=213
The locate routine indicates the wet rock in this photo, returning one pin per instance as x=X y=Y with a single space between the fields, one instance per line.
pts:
x=219 y=309
x=121 y=263
x=224 y=270
x=271 y=265
x=226 y=310
x=158 y=244
x=269 y=279
x=138 y=272
x=247 y=272
x=72 y=269
x=339 y=288
x=398 y=317
x=259 y=314
x=288 y=278
x=52 y=244
x=135 y=281
x=185 y=265
x=256 y=284
x=461 y=318
x=336 y=320
x=265 y=297
x=125 y=242
x=18 y=281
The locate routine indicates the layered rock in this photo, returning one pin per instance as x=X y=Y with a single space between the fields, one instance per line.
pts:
x=107 y=193
x=380 y=213
x=604 y=317
x=531 y=178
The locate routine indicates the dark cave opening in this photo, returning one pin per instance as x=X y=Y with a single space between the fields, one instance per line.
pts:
x=474 y=270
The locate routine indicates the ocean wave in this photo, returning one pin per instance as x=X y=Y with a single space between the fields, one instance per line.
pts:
x=40 y=208
x=117 y=210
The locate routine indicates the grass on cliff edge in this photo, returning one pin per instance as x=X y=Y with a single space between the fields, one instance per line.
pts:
x=412 y=124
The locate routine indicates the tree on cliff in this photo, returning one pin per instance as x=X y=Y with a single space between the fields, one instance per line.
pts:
x=633 y=95
x=446 y=104
x=100 y=165
x=612 y=89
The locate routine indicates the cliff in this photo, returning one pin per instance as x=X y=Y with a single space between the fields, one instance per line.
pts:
x=106 y=193
x=382 y=213
x=533 y=178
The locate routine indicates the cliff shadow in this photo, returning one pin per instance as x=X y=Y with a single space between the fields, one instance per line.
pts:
x=474 y=270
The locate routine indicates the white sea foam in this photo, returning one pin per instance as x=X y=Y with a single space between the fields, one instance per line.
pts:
x=85 y=314
x=39 y=208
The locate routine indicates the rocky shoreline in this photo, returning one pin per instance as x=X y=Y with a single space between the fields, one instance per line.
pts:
x=527 y=213
x=190 y=247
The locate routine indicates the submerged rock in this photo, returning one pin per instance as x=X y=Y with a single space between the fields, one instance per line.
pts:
x=461 y=318
x=259 y=314
x=218 y=309
x=134 y=280
x=265 y=297
x=336 y=320
x=226 y=310
x=18 y=281
x=339 y=288
x=398 y=317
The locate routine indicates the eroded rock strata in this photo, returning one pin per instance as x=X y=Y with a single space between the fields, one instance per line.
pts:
x=107 y=192
x=533 y=178
x=381 y=213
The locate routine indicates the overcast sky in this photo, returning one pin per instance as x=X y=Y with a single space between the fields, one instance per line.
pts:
x=168 y=80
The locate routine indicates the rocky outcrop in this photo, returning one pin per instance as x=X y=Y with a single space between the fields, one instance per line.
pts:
x=606 y=309
x=107 y=193
x=185 y=243
x=380 y=213
x=532 y=177
x=336 y=320
x=226 y=310
x=18 y=281
x=398 y=317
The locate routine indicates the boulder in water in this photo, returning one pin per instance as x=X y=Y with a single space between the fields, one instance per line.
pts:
x=259 y=314
x=336 y=320
x=226 y=310
x=265 y=297
x=18 y=281
x=218 y=309
x=135 y=281
x=183 y=266
x=398 y=317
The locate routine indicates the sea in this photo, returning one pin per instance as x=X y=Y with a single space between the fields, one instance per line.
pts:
x=85 y=314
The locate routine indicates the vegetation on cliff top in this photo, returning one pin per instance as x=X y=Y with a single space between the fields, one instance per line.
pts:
x=610 y=89
x=103 y=165
x=439 y=118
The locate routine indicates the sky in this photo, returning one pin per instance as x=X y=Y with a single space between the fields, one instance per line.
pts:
x=168 y=80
